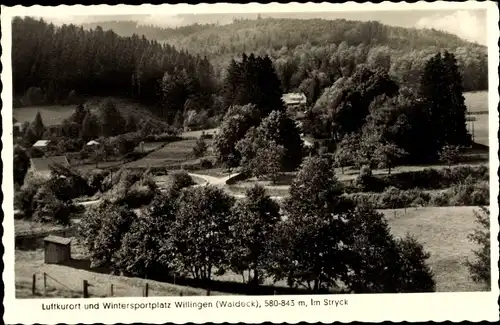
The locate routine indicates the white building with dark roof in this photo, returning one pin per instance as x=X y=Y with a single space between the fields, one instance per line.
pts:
x=294 y=100
x=42 y=144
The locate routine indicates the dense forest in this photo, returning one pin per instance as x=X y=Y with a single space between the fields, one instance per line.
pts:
x=304 y=48
x=55 y=64
x=182 y=72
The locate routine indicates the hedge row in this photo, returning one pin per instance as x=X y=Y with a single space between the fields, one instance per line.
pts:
x=426 y=179
x=465 y=194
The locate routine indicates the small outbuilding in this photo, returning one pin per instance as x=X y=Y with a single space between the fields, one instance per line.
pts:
x=92 y=143
x=41 y=144
x=57 y=249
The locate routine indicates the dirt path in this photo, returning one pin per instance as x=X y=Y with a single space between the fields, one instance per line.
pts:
x=216 y=181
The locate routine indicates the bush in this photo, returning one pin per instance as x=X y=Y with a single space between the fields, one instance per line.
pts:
x=430 y=178
x=164 y=137
x=470 y=193
x=200 y=147
x=24 y=197
x=133 y=188
x=157 y=171
x=180 y=180
x=480 y=267
x=124 y=176
x=95 y=178
x=48 y=208
x=206 y=163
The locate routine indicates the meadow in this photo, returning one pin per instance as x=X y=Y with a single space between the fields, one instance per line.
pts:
x=172 y=154
x=56 y=114
x=442 y=231
x=66 y=281
x=477 y=103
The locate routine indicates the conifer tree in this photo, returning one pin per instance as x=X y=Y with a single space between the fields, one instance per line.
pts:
x=442 y=93
x=38 y=126
x=90 y=127
x=112 y=122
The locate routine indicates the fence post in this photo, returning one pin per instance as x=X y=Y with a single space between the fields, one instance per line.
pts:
x=85 y=289
x=146 y=290
x=111 y=293
x=208 y=292
x=33 y=285
x=44 y=283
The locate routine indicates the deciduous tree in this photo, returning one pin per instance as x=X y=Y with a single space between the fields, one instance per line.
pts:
x=201 y=233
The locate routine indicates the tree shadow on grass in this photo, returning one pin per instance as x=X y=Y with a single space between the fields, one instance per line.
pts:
x=230 y=287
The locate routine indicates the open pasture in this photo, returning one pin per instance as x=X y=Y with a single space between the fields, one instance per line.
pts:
x=56 y=114
x=66 y=281
x=177 y=152
x=443 y=232
x=477 y=104
x=51 y=115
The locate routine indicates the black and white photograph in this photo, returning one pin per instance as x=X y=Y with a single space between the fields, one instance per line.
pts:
x=248 y=152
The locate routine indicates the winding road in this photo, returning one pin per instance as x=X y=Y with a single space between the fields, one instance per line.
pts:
x=209 y=180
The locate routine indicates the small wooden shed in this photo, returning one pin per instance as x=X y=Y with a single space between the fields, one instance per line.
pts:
x=57 y=249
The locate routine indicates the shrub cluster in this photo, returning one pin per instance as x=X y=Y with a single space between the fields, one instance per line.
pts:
x=468 y=193
x=129 y=187
x=49 y=200
x=201 y=232
x=426 y=179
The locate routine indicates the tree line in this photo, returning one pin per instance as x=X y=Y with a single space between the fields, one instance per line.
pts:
x=315 y=240
x=56 y=64
x=310 y=47
x=366 y=119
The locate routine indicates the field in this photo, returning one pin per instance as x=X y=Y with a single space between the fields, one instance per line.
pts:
x=65 y=281
x=55 y=114
x=477 y=103
x=442 y=232
x=173 y=153
x=51 y=115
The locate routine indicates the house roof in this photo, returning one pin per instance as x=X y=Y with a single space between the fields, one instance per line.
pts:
x=41 y=143
x=43 y=164
x=57 y=240
x=92 y=143
x=294 y=98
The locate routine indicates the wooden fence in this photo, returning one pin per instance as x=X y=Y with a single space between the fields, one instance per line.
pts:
x=84 y=291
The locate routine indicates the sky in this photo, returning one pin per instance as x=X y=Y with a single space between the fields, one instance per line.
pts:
x=466 y=21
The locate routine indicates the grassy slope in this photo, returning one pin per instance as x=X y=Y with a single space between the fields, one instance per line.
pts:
x=173 y=153
x=55 y=114
x=66 y=282
x=443 y=232
x=477 y=103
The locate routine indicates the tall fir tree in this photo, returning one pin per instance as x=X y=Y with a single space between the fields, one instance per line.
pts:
x=253 y=80
x=38 y=126
x=457 y=126
x=442 y=93
x=112 y=122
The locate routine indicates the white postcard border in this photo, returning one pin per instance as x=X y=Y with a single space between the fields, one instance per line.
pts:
x=475 y=306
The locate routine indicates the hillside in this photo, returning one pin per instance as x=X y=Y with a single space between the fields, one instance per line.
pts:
x=317 y=41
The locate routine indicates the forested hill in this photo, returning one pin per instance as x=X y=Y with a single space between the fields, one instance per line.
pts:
x=248 y=34
x=317 y=45
x=54 y=64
